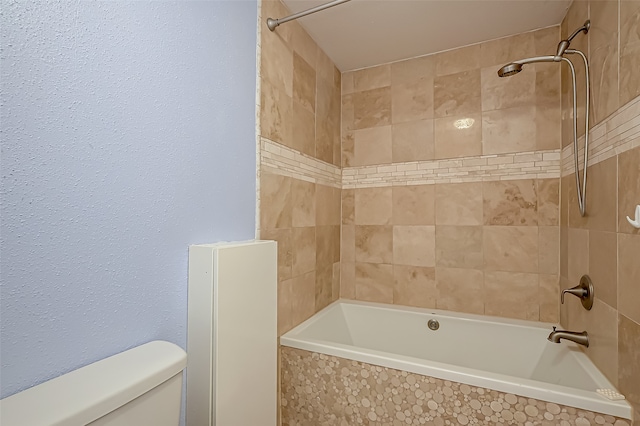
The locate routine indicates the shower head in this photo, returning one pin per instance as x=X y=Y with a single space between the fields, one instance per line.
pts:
x=509 y=70
x=516 y=66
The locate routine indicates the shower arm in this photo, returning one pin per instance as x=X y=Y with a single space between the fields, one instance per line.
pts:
x=582 y=192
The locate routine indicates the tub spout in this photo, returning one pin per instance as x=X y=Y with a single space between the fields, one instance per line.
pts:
x=579 y=338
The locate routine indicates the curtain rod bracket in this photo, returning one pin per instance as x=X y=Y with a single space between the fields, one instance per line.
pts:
x=273 y=23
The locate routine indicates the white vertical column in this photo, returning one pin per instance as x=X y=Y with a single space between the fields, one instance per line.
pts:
x=232 y=334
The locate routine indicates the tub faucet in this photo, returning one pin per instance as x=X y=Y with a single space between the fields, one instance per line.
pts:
x=579 y=338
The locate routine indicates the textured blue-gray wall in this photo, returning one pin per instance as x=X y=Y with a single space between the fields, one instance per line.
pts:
x=128 y=133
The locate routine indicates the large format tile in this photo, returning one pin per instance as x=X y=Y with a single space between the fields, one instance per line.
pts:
x=629 y=50
x=302 y=297
x=460 y=290
x=303 y=203
x=373 y=206
x=276 y=209
x=374 y=244
x=374 y=282
x=549 y=297
x=372 y=146
x=500 y=92
x=371 y=78
x=602 y=326
x=459 y=246
x=372 y=108
x=414 y=245
x=414 y=286
x=413 y=205
x=304 y=83
x=412 y=101
x=549 y=249
x=511 y=248
x=512 y=202
x=548 y=201
x=458 y=136
x=629 y=276
x=511 y=295
x=458 y=60
x=457 y=94
x=509 y=130
x=303 y=250
x=603 y=265
x=413 y=69
x=628 y=189
x=629 y=360
x=459 y=204
x=412 y=141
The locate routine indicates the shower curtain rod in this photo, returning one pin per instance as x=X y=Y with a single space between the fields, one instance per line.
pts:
x=273 y=23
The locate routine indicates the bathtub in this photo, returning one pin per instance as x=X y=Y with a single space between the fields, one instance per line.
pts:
x=510 y=356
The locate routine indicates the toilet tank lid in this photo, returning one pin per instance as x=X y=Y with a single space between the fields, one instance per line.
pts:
x=90 y=392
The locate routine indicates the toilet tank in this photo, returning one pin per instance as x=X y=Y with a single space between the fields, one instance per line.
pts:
x=141 y=386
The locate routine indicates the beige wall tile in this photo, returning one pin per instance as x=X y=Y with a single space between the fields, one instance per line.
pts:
x=285 y=250
x=327 y=246
x=629 y=50
x=303 y=44
x=458 y=136
x=372 y=78
x=373 y=206
x=276 y=64
x=285 y=318
x=275 y=114
x=628 y=189
x=348 y=149
x=458 y=60
x=549 y=298
x=509 y=130
x=457 y=94
x=348 y=206
x=324 y=287
x=511 y=295
x=459 y=246
x=412 y=101
x=325 y=68
x=460 y=290
x=603 y=265
x=576 y=16
x=546 y=40
x=302 y=297
x=548 y=201
x=601 y=197
x=273 y=9
x=328 y=123
x=629 y=360
x=413 y=69
x=603 y=54
x=414 y=286
x=564 y=251
x=549 y=249
x=348 y=243
x=347 y=280
x=511 y=248
x=501 y=93
x=512 y=202
x=564 y=205
x=347 y=113
x=459 y=204
x=304 y=83
x=629 y=276
x=413 y=141
x=372 y=146
x=374 y=244
x=413 y=205
x=578 y=255
x=414 y=245
x=374 y=282
x=327 y=205
x=504 y=50
x=303 y=250
x=347 y=83
x=602 y=326
x=335 y=289
x=303 y=203
x=372 y=108
x=548 y=125
x=303 y=128
x=275 y=201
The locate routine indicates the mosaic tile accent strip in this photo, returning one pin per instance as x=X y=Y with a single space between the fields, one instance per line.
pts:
x=281 y=160
x=522 y=165
x=318 y=389
x=617 y=134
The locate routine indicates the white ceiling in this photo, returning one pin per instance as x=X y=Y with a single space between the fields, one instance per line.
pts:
x=362 y=33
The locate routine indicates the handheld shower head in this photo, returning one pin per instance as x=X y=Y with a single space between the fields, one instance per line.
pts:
x=509 y=70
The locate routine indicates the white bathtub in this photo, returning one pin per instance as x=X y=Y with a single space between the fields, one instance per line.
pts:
x=510 y=356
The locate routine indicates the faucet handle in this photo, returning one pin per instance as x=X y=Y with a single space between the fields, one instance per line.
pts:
x=584 y=291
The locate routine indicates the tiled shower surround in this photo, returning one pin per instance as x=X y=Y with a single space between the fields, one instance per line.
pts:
x=319 y=389
x=602 y=244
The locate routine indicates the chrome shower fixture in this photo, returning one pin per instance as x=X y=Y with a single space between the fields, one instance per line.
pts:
x=563 y=47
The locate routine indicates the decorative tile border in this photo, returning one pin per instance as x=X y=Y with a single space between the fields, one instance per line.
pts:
x=318 y=389
x=620 y=132
x=281 y=160
x=522 y=165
